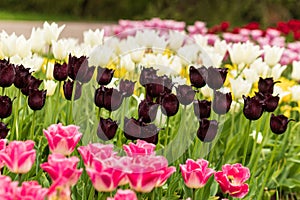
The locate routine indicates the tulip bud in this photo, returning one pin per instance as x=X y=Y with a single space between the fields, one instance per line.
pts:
x=36 y=99
x=104 y=75
x=75 y=64
x=170 y=104
x=84 y=75
x=185 y=94
x=126 y=87
x=266 y=86
x=21 y=77
x=147 y=111
x=60 y=71
x=147 y=74
x=99 y=97
x=32 y=84
x=7 y=74
x=5 y=106
x=208 y=130
x=216 y=77
x=253 y=108
x=112 y=99
x=202 y=108
x=279 y=123
x=270 y=102
x=158 y=85
x=107 y=129
x=149 y=133
x=221 y=102
x=132 y=129
x=198 y=76
x=68 y=90
x=3 y=130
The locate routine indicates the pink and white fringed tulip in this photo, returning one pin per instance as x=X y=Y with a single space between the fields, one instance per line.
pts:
x=140 y=148
x=196 y=173
x=31 y=191
x=19 y=156
x=8 y=188
x=58 y=166
x=62 y=139
x=59 y=190
x=2 y=149
x=232 y=180
x=124 y=195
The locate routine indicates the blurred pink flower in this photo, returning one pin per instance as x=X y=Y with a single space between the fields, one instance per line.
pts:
x=58 y=166
x=19 y=156
x=140 y=148
x=31 y=191
x=124 y=195
x=8 y=188
x=62 y=139
x=196 y=173
x=2 y=149
x=232 y=180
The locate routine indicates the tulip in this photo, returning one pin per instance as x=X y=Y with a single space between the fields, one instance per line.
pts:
x=84 y=75
x=2 y=149
x=147 y=75
x=107 y=129
x=140 y=148
x=20 y=80
x=31 y=190
x=216 y=77
x=75 y=64
x=253 y=108
x=112 y=99
x=221 y=102
x=270 y=102
x=198 y=76
x=202 y=108
x=147 y=111
x=59 y=190
x=58 y=166
x=60 y=71
x=132 y=129
x=7 y=74
x=170 y=104
x=22 y=163
x=158 y=85
x=185 y=94
x=36 y=99
x=207 y=130
x=8 y=188
x=232 y=180
x=266 y=86
x=126 y=87
x=32 y=83
x=3 y=131
x=68 y=90
x=124 y=195
x=5 y=107
x=50 y=86
x=279 y=123
x=196 y=173
x=62 y=139
x=104 y=75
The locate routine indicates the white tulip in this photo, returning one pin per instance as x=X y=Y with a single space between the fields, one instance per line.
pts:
x=261 y=68
x=127 y=63
x=295 y=91
x=175 y=40
x=296 y=70
x=207 y=92
x=251 y=75
x=280 y=92
x=240 y=87
x=63 y=47
x=50 y=86
x=93 y=38
x=50 y=69
x=36 y=40
x=272 y=54
x=277 y=71
x=51 y=32
x=100 y=56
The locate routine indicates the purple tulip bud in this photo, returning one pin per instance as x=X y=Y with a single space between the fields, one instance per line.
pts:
x=5 y=107
x=253 y=107
x=270 y=102
x=279 y=123
x=170 y=104
x=99 y=97
x=221 y=102
x=149 y=133
x=7 y=74
x=198 y=76
x=112 y=99
x=36 y=99
x=147 y=111
x=202 y=108
x=216 y=77
x=107 y=129
x=126 y=87
x=84 y=75
x=185 y=94
x=104 y=75
x=75 y=64
x=3 y=130
x=147 y=75
x=60 y=71
x=266 y=86
x=21 y=77
x=32 y=84
x=132 y=129
x=158 y=85
x=207 y=130
x=68 y=90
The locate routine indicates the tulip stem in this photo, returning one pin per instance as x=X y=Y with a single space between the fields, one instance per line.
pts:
x=16 y=117
x=246 y=142
x=56 y=115
x=32 y=126
x=167 y=133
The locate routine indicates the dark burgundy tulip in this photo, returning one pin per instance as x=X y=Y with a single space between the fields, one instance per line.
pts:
x=147 y=74
x=221 y=102
x=104 y=75
x=84 y=75
x=198 y=76
x=149 y=133
x=32 y=84
x=21 y=77
x=3 y=130
x=68 y=89
x=132 y=129
x=169 y=104
x=207 y=130
x=36 y=99
x=126 y=87
x=112 y=99
x=279 y=123
x=107 y=129
x=185 y=94
x=7 y=74
x=216 y=77
x=99 y=97
x=270 y=102
x=253 y=107
x=60 y=71
x=158 y=85
x=75 y=64
x=202 y=108
x=147 y=111
x=5 y=107
x=266 y=86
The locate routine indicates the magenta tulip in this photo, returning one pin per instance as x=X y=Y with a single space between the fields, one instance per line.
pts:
x=124 y=195
x=140 y=148
x=31 y=191
x=8 y=188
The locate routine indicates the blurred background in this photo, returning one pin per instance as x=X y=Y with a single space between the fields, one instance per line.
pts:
x=266 y=12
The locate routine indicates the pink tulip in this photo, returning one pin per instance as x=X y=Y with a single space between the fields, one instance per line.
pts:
x=59 y=190
x=140 y=148
x=124 y=195
x=58 y=166
x=19 y=156
x=8 y=188
x=231 y=180
x=31 y=191
x=2 y=149
x=62 y=139
x=196 y=173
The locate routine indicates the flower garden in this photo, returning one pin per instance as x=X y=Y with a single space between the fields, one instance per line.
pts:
x=152 y=109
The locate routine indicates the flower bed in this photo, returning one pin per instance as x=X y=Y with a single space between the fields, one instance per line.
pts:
x=151 y=109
